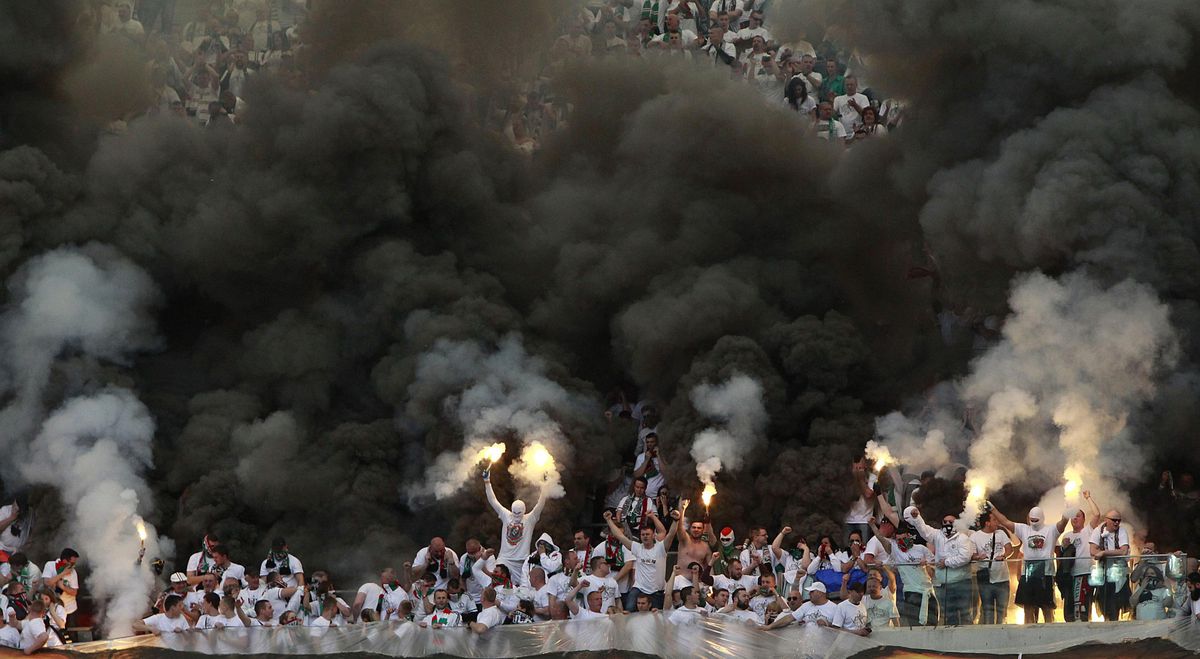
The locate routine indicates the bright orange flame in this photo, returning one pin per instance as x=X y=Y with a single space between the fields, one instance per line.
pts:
x=141 y=530
x=709 y=491
x=493 y=452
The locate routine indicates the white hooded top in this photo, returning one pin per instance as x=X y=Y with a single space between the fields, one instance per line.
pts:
x=516 y=534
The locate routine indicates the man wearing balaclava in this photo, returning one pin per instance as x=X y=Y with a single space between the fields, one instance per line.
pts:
x=952 y=576
x=1035 y=586
x=516 y=531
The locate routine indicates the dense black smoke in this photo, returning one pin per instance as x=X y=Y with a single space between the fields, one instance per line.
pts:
x=319 y=264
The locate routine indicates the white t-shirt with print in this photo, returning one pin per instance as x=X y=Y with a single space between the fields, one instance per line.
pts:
x=810 y=613
x=650 y=568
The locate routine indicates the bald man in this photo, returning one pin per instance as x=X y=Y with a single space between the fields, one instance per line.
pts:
x=1110 y=546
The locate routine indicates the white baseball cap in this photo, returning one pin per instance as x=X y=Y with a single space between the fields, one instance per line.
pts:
x=817 y=585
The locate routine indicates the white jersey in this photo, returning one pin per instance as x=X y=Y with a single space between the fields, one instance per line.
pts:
x=516 y=534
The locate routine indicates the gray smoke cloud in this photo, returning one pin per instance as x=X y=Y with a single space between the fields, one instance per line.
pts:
x=736 y=406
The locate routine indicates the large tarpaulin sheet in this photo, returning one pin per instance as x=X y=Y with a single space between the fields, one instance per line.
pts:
x=651 y=634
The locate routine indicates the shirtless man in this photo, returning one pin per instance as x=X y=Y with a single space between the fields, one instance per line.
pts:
x=697 y=545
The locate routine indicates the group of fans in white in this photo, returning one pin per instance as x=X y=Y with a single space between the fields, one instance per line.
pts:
x=902 y=571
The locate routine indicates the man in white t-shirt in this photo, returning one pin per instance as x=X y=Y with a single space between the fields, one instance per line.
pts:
x=650 y=556
x=280 y=559
x=10 y=637
x=438 y=560
x=633 y=509
x=224 y=567
x=851 y=614
x=601 y=579
x=1035 y=586
x=649 y=465
x=63 y=577
x=849 y=106
x=755 y=29
x=739 y=608
x=490 y=615
x=200 y=563
x=594 y=601
x=1073 y=573
x=170 y=620
x=1110 y=545
x=381 y=596
x=735 y=578
x=825 y=127
x=917 y=604
x=12 y=532
x=473 y=567
x=516 y=532
x=881 y=608
x=543 y=595
x=690 y=612
x=817 y=611
x=992 y=549
x=34 y=634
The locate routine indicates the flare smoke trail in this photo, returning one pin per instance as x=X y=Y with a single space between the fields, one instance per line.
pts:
x=736 y=405
x=96 y=447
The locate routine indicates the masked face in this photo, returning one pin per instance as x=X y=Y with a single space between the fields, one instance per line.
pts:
x=518 y=507
x=948 y=527
x=905 y=542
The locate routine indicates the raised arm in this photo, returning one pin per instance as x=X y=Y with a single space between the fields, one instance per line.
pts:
x=1001 y=519
x=14 y=513
x=491 y=498
x=1095 y=510
x=616 y=531
x=887 y=510
x=572 y=603
x=926 y=531
x=777 y=543
x=670 y=534
x=536 y=513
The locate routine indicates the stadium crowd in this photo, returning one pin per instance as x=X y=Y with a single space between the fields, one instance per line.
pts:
x=198 y=69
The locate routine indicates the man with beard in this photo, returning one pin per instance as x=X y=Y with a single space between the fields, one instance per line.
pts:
x=952 y=555
x=738 y=608
x=1035 y=586
x=735 y=578
x=581 y=544
x=1190 y=606
x=516 y=531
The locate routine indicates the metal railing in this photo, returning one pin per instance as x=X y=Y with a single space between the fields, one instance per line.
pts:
x=1017 y=591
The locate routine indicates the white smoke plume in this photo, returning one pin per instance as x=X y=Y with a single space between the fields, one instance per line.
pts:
x=493 y=394
x=1055 y=394
x=95 y=448
x=736 y=405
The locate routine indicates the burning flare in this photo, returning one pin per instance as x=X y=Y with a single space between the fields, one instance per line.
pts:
x=880 y=454
x=707 y=495
x=1071 y=488
x=539 y=457
x=493 y=452
x=141 y=531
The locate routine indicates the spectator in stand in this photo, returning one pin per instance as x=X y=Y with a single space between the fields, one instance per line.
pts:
x=442 y=615
x=61 y=576
x=756 y=557
x=731 y=9
x=917 y=604
x=224 y=567
x=264 y=27
x=594 y=601
x=849 y=106
x=652 y=12
x=578 y=45
x=35 y=635
x=634 y=509
x=691 y=17
x=613 y=42
x=747 y=34
x=862 y=483
x=472 y=569
x=881 y=607
x=825 y=127
x=13 y=530
x=649 y=572
x=993 y=547
x=834 y=84
x=1035 y=586
x=10 y=636
x=689 y=612
x=720 y=52
x=870 y=126
x=1075 y=563
x=795 y=95
x=379 y=596
x=1110 y=545
x=516 y=527
x=490 y=614
x=281 y=560
x=127 y=27
x=817 y=611
x=170 y=620
x=436 y=559
x=545 y=555
x=952 y=561
x=237 y=73
x=812 y=79
x=685 y=38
